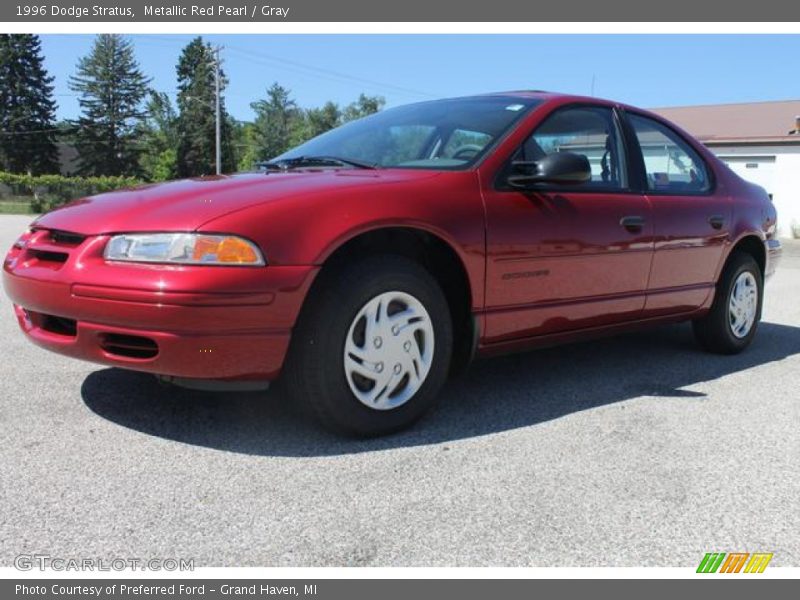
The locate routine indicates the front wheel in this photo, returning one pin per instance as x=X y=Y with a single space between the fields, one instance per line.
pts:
x=372 y=348
x=732 y=321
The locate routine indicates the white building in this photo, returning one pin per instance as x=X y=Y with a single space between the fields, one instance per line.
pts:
x=758 y=140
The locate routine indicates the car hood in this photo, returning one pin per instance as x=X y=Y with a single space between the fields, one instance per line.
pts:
x=187 y=204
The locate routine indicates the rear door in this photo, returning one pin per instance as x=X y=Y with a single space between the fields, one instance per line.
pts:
x=691 y=221
x=560 y=257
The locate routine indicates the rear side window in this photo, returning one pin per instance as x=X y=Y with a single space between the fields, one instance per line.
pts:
x=671 y=164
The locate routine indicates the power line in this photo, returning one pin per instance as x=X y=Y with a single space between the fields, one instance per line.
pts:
x=271 y=60
x=261 y=57
x=255 y=57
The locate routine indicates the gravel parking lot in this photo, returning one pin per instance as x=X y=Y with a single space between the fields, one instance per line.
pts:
x=635 y=450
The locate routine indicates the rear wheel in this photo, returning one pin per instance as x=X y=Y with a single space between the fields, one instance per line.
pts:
x=732 y=321
x=372 y=348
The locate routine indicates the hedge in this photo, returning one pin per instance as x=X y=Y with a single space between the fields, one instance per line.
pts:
x=49 y=191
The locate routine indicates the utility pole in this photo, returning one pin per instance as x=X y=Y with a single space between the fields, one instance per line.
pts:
x=217 y=102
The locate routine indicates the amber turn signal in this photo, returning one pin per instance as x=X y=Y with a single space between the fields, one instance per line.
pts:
x=226 y=250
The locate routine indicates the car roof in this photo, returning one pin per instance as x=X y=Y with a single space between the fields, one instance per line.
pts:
x=544 y=96
x=548 y=96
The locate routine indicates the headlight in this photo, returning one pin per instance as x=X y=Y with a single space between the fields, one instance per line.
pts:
x=184 y=249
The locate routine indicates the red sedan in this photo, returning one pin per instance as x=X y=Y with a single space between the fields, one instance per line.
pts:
x=368 y=263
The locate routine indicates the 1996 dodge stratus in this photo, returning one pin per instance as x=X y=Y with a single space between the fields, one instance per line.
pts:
x=366 y=264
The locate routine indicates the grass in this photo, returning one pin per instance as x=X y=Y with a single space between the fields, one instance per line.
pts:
x=16 y=205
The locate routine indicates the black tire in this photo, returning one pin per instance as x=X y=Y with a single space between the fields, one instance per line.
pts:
x=714 y=331
x=315 y=374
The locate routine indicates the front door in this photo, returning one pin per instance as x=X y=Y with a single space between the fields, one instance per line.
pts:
x=565 y=258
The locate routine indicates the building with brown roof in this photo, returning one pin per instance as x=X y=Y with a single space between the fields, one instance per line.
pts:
x=758 y=140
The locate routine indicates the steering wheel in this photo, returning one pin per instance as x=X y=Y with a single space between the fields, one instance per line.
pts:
x=466 y=152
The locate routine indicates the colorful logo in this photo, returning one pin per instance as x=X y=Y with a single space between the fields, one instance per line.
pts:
x=734 y=562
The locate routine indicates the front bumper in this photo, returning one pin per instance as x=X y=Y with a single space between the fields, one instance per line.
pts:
x=196 y=322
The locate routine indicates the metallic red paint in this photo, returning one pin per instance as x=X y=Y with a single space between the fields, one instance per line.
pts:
x=541 y=267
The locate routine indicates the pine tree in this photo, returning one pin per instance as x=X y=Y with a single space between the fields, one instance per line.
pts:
x=27 y=108
x=196 y=119
x=112 y=89
x=159 y=139
x=277 y=121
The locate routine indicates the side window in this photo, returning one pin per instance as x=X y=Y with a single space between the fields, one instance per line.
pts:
x=590 y=131
x=671 y=164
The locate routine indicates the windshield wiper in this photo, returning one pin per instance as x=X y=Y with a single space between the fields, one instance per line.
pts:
x=286 y=164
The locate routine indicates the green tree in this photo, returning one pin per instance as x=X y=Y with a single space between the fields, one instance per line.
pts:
x=196 y=151
x=111 y=88
x=280 y=124
x=27 y=108
x=277 y=120
x=160 y=139
x=247 y=152
x=364 y=106
x=316 y=121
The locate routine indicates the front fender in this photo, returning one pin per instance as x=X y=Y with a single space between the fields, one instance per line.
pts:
x=307 y=229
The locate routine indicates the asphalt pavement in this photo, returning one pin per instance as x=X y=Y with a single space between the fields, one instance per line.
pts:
x=639 y=450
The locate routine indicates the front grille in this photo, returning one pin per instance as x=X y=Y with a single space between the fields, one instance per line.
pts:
x=48 y=255
x=128 y=346
x=66 y=238
x=51 y=248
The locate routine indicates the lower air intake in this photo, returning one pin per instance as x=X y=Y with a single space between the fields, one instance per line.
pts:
x=129 y=346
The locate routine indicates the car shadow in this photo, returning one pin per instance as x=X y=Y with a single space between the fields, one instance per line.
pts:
x=494 y=395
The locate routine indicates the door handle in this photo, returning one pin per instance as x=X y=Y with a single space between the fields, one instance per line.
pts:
x=716 y=221
x=634 y=224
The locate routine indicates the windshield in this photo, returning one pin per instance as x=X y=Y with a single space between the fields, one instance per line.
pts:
x=442 y=134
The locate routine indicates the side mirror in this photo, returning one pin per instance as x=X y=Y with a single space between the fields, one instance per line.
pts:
x=560 y=167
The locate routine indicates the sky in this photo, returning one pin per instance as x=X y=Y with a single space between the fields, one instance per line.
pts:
x=643 y=70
